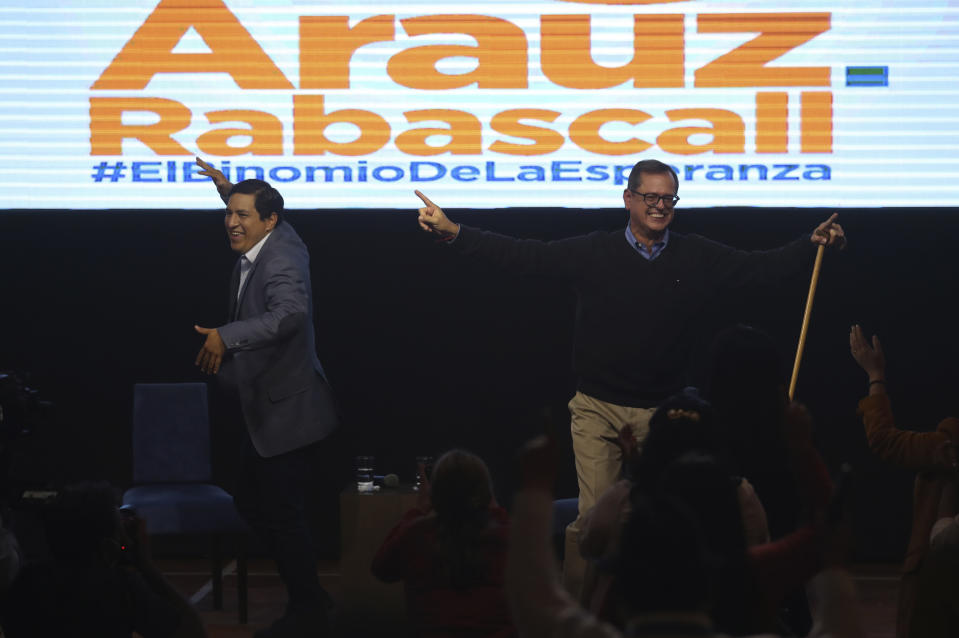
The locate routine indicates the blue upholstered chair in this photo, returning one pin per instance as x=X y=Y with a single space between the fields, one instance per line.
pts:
x=565 y=511
x=172 y=472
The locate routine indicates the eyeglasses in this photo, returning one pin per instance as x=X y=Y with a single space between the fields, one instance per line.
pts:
x=652 y=199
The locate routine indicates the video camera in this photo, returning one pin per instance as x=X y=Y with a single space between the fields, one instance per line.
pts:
x=21 y=409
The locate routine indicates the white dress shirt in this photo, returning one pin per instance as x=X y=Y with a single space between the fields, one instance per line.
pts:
x=246 y=263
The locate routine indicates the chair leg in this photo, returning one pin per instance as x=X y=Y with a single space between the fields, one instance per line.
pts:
x=241 y=580
x=216 y=571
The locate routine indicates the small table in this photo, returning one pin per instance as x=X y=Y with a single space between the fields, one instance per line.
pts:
x=365 y=520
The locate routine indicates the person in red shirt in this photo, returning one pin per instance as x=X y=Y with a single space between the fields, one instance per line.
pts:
x=450 y=553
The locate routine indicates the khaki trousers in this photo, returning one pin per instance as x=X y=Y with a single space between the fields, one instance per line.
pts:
x=599 y=464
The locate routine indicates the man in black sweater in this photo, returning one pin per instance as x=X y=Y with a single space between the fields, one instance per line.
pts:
x=637 y=292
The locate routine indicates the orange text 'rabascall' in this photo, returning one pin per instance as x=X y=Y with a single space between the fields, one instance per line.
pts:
x=464 y=131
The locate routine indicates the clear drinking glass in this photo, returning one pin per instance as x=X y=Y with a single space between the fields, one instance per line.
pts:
x=364 y=473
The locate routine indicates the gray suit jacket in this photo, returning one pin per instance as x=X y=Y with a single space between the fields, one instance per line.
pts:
x=271 y=357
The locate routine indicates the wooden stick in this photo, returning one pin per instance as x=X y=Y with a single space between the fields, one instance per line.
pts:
x=805 y=320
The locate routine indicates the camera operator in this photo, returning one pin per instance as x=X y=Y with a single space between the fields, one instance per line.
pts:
x=99 y=580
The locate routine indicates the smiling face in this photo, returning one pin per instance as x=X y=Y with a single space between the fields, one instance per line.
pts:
x=244 y=227
x=648 y=223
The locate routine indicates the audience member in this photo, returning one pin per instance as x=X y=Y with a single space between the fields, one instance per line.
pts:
x=682 y=424
x=746 y=387
x=99 y=582
x=937 y=595
x=668 y=575
x=703 y=485
x=929 y=570
x=450 y=552
x=774 y=449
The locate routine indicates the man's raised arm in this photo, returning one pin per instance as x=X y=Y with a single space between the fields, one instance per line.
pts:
x=433 y=220
x=223 y=185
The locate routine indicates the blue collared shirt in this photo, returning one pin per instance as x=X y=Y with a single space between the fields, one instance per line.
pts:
x=640 y=247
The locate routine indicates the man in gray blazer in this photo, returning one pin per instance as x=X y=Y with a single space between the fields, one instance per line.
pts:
x=265 y=355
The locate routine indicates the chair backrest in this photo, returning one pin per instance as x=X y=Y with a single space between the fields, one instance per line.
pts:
x=171 y=433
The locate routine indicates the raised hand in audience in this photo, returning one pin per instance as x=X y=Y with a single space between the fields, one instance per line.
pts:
x=869 y=357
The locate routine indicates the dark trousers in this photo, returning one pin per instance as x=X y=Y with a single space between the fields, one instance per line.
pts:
x=271 y=497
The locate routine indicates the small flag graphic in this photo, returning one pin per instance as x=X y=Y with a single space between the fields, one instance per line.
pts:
x=867 y=76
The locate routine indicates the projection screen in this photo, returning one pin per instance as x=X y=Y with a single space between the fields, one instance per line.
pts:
x=479 y=104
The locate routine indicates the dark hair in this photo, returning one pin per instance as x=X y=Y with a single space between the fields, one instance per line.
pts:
x=746 y=385
x=663 y=564
x=694 y=556
x=267 y=201
x=462 y=492
x=682 y=423
x=83 y=515
x=651 y=166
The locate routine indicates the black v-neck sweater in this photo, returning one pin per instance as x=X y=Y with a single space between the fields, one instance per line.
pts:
x=632 y=342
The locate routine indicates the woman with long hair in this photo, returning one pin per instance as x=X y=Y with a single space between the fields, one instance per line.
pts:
x=450 y=552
